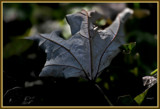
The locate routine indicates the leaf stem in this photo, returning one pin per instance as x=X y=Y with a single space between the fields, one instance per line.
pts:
x=109 y=102
x=153 y=72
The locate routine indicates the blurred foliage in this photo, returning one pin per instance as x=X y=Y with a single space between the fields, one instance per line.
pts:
x=127 y=48
x=121 y=81
x=16 y=48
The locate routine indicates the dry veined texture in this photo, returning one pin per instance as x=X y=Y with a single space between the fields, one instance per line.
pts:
x=87 y=52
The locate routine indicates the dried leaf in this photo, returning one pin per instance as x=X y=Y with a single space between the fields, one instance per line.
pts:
x=149 y=81
x=87 y=52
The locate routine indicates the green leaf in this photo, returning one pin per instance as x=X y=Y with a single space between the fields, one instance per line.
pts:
x=98 y=80
x=127 y=48
x=139 y=98
x=106 y=85
x=134 y=71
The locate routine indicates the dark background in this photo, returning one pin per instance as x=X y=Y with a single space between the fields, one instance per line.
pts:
x=121 y=81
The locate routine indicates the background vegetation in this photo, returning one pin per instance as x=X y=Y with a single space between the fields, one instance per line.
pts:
x=121 y=81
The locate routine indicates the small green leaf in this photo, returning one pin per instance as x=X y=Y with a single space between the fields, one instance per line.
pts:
x=134 y=71
x=127 y=48
x=106 y=85
x=112 y=78
x=139 y=98
x=98 y=80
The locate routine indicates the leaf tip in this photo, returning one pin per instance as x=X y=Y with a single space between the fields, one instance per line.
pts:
x=127 y=12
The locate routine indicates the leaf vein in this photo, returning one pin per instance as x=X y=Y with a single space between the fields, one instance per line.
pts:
x=69 y=52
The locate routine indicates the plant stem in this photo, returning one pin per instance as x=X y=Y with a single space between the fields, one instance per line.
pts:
x=153 y=72
x=109 y=102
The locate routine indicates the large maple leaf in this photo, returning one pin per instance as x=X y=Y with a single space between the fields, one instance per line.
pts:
x=87 y=52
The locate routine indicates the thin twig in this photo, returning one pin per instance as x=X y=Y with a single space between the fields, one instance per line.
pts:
x=109 y=102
